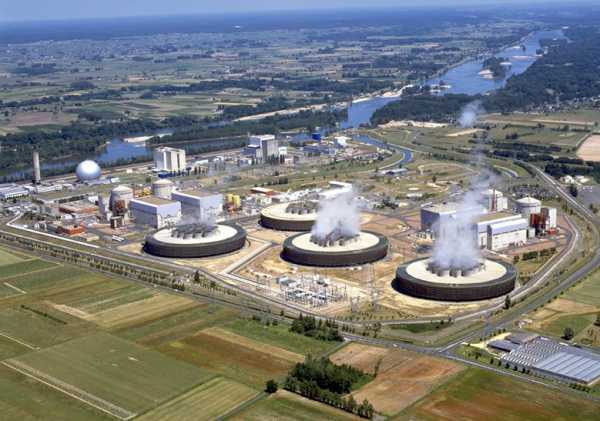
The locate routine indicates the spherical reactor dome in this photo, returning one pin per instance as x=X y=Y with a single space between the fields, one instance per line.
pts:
x=88 y=170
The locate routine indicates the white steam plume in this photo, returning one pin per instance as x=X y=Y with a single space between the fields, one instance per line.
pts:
x=341 y=213
x=470 y=114
x=456 y=243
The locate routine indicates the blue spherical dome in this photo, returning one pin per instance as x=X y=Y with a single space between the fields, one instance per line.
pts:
x=88 y=170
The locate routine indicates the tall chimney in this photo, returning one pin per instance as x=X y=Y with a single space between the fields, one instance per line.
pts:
x=37 y=175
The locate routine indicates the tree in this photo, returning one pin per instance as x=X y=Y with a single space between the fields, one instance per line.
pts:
x=197 y=277
x=573 y=191
x=271 y=386
x=597 y=322
x=507 y=302
x=568 y=334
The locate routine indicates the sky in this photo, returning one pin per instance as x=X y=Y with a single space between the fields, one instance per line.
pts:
x=25 y=10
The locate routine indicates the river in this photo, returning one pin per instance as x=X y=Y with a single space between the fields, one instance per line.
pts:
x=463 y=78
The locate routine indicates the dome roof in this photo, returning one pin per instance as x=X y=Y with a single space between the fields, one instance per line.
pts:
x=88 y=170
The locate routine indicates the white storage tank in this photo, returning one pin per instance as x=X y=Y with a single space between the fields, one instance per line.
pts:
x=528 y=206
x=162 y=188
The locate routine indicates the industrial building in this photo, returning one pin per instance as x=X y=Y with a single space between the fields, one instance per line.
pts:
x=199 y=204
x=263 y=148
x=528 y=206
x=501 y=235
x=12 y=191
x=169 y=159
x=120 y=197
x=155 y=211
x=548 y=358
x=494 y=200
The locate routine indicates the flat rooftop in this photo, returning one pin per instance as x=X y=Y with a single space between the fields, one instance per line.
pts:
x=496 y=215
x=153 y=200
x=196 y=193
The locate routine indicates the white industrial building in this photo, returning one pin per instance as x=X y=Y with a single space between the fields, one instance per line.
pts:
x=491 y=219
x=155 y=211
x=550 y=218
x=199 y=204
x=169 y=159
x=501 y=235
x=12 y=191
x=162 y=188
x=262 y=148
x=120 y=197
x=494 y=200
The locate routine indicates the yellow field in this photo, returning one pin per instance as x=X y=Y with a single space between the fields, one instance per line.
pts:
x=254 y=345
x=213 y=399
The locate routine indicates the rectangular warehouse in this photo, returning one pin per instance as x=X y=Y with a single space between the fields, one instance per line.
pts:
x=200 y=204
x=507 y=233
x=489 y=219
x=169 y=159
x=559 y=361
x=155 y=211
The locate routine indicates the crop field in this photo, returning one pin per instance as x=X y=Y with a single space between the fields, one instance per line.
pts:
x=208 y=401
x=477 y=394
x=287 y=406
x=155 y=307
x=176 y=325
x=403 y=378
x=279 y=336
x=32 y=330
x=247 y=364
x=109 y=373
x=24 y=267
x=24 y=399
x=7 y=258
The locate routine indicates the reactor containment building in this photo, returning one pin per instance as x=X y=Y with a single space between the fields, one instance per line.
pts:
x=484 y=279
x=196 y=240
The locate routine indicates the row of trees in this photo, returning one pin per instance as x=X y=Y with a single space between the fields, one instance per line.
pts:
x=309 y=326
x=321 y=380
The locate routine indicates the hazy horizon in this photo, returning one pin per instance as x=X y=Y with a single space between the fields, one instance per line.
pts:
x=40 y=10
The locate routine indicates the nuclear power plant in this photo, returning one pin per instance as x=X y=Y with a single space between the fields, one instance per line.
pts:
x=294 y=216
x=194 y=240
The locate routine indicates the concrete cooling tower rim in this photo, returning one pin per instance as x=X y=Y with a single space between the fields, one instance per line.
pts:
x=228 y=238
x=497 y=278
x=367 y=248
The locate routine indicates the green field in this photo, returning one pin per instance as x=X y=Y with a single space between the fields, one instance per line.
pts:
x=28 y=266
x=7 y=258
x=35 y=330
x=26 y=400
x=576 y=322
x=588 y=292
x=280 y=336
x=208 y=401
x=177 y=325
x=286 y=406
x=119 y=376
x=477 y=394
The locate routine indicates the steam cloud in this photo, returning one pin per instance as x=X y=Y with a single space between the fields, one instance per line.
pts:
x=456 y=243
x=470 y=114
x=341 y=214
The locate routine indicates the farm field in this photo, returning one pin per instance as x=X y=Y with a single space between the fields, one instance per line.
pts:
x=208 y=401
x=590 y=149
x=28 y=327
x=279 y=336
x=477 y=394
x=24 y=267
x=287 y=406
x=218 y=353
x=122 y=378
x=7 y=258
x=402 y=379
x=18 y=393
x=577 y=308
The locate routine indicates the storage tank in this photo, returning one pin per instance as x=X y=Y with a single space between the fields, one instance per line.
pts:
x=120 y=197
x=528 y=206
x=162 y=188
